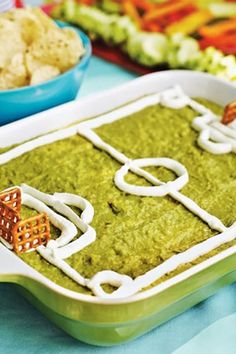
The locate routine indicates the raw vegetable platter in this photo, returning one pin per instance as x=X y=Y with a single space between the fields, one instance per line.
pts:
x=146 y=35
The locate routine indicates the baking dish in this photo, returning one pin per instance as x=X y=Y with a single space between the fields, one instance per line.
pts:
x=112 y=321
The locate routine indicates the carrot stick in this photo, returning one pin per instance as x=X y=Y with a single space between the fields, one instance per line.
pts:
x=131 y=10
x=218 y=29
x=143 y=4
x=152 y=27
x=157 y=13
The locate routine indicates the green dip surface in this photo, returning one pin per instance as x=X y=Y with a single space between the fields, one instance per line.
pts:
x=134 y=234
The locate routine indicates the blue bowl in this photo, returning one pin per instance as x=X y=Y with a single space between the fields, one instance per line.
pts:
x=24 y=101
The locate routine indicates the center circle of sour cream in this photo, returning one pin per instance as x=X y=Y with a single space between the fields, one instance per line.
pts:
x=160 y=188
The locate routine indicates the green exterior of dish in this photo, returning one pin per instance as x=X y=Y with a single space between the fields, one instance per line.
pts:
x=113 y=324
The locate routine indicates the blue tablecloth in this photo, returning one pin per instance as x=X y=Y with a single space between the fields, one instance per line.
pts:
x=209 y=327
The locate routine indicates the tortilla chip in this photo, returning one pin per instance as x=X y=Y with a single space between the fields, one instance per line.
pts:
x=32 y=64
x=44 y=73
x=11 y=42
x=60 y=48
x=45 y=21
x=14 y=74
x=28 y=24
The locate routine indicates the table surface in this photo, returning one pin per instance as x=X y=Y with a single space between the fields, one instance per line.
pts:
x=209 y=326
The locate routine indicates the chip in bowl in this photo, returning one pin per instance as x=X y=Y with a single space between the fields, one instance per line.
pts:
x=11 y=42
x=59 y=48
x=44 y=73
x=14 y=73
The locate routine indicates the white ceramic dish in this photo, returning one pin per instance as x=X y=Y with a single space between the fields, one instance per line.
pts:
x=193 y=83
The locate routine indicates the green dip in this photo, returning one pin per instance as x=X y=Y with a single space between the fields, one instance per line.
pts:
x=134 y=234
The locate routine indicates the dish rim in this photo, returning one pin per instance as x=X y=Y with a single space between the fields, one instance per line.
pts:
x=33 y=274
